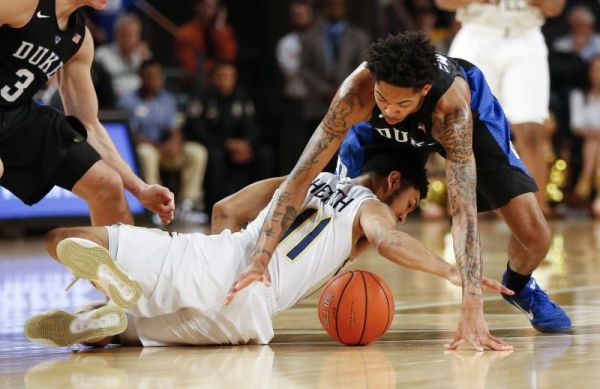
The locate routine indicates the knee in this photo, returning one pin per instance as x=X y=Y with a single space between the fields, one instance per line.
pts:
x=109 y=189
x=537 y=238
x=53 y=237
x=195 y=153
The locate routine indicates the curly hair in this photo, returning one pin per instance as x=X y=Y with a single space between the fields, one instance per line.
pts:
x=406 y=60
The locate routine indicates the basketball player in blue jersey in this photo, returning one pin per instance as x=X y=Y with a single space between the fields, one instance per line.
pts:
x=40 y=147
x=417 y=99
x=185 y=278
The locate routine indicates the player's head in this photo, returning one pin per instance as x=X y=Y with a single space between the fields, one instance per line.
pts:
x=398 y=178
x=404 y=67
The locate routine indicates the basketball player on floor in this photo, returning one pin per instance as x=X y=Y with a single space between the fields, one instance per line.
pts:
x=417 y=99
x=40 y=147
x=516 y=69
x=187 y=278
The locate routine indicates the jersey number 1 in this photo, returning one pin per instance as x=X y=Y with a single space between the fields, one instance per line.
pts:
x=26 y=78
x=308 y=238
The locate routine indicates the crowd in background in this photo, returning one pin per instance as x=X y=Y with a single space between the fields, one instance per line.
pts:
x=210 y=115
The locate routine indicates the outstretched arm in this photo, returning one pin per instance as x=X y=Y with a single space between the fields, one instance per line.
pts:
x=79 y=99
x=453 y=128
x=378 y=224
x=352 y=103
x=243 y=206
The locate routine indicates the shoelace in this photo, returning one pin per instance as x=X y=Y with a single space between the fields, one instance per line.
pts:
x=71 y=283
x=543 y=295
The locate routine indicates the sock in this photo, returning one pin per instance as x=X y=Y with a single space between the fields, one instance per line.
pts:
x=514 y=280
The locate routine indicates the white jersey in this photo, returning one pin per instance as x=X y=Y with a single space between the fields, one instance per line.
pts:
x=319 y=240
x=186 y=277
x=502 y=14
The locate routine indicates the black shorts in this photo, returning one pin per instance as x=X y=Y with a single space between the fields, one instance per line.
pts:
x=40 y=148
x=501 y=175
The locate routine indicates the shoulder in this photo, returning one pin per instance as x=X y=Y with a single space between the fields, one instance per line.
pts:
x=360 y=82
x=458 y=96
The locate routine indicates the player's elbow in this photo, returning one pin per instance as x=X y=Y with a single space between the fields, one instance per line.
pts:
x=223 y=216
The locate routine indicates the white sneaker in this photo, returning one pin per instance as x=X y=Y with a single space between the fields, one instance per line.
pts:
x=61 y=329
x=93 y=262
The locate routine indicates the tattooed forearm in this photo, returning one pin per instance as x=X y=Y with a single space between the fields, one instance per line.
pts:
x=331 y=129
x=320 y=149
x=455 y=131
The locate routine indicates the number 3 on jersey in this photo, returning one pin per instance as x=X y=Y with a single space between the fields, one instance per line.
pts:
x=26 y=78
x=307 y=227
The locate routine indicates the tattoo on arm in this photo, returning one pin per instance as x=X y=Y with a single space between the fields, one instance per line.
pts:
x=285 y=205
x=455 y=132
x=332 y=127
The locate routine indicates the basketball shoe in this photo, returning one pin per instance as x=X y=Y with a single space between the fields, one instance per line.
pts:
x=542 y=312
x=93 y=262
x=61 y=329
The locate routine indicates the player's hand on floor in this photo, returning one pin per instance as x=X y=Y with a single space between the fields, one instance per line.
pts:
x=159 y=200
x=473 y=330
x=488 y=284
x=256 y=272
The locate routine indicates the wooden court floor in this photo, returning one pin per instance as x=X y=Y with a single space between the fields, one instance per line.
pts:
x=410 y=355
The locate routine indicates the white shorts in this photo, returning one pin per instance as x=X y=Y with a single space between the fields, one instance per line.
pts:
x=515 y=65
x=186 y=278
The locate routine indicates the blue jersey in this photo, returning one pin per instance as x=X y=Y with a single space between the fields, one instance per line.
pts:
x=414 y=131
x=496 y=159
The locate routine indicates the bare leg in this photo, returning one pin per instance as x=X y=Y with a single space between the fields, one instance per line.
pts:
x=102 y=188
x=1 y=168
x=531 y=143
x=531 y=236
x=97 y=235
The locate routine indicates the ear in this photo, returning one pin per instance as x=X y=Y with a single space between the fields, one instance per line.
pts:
x=393 y=181
x=425 y=89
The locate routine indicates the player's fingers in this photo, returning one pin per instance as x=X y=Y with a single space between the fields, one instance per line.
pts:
x=266 y=278
x=496 y=286
x=496 y=346
x=454 y=344
x=476 y=344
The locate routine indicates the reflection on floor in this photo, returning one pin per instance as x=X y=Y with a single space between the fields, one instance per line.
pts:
x=301 y=355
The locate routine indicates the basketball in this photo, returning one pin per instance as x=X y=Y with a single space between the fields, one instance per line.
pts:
x=356 y=308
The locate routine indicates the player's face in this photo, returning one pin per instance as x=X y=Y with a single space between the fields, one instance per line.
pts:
x=404 y=203
x=396 y=103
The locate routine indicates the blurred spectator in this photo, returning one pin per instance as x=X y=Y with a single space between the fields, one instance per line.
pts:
x=223 y=120
x=122 y=58
x=289 y=50
x=394 y=17
x=331 y=50
x=205 y=39
x=585 y=122
x=504 y=39
x=153 y=117
x=582 y=39
x=101 y=23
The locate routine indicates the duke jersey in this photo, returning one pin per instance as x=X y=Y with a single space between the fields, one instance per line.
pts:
x=502 y=14
x=30 y=55
x=415 y=130
x=319 y=240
